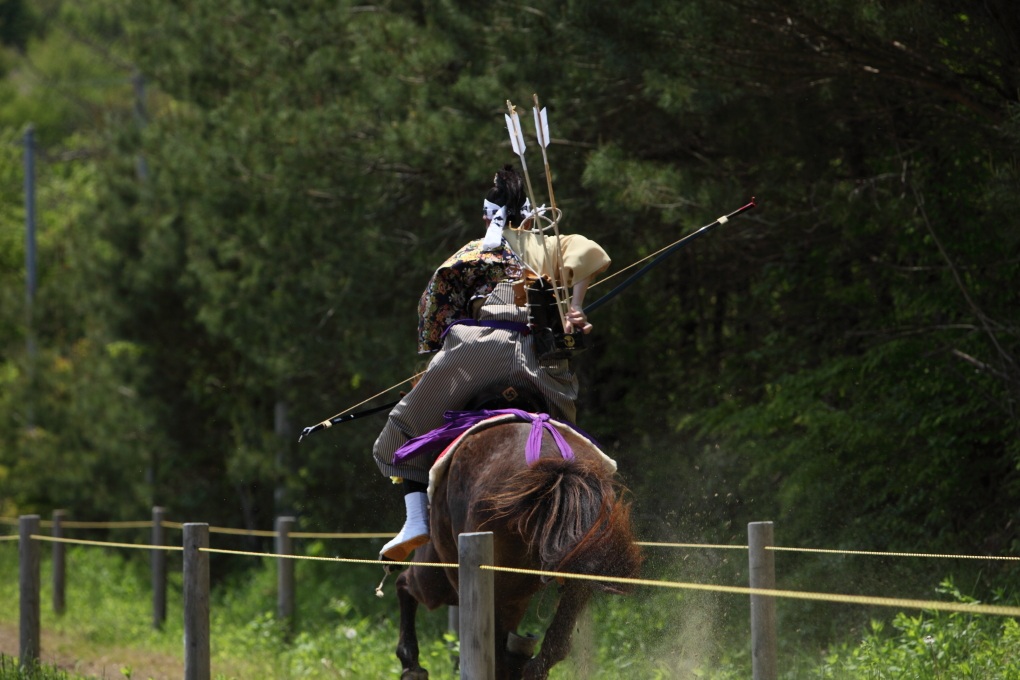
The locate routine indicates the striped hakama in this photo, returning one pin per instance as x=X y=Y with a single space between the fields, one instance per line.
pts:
x=473 y=359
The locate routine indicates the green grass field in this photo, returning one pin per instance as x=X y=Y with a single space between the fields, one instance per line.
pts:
x=343 y=630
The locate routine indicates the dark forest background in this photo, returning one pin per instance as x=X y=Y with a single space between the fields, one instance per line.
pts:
x=238 y=204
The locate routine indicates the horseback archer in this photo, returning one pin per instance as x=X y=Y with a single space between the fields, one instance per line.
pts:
x=495 y=314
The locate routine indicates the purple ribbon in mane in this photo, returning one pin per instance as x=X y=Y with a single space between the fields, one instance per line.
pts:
x=461 y=421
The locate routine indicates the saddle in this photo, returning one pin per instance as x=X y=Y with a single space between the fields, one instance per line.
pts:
x=468 y=422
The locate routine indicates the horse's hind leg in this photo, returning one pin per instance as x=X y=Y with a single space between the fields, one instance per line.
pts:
x=556 y=641
x=407 y=645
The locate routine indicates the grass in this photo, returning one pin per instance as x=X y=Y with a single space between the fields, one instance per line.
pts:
x=10 y=669
x=343 y=631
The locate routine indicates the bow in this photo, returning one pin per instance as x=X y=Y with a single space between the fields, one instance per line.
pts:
x=666 y=253
x=345 y=416
x=336 y=420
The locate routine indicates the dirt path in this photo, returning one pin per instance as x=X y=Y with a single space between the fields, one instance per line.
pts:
x=108 y=663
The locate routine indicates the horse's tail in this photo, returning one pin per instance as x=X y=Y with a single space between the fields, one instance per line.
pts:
x=572 y=516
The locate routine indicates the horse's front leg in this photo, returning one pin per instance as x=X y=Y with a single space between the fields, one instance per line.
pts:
x=556 y=642
x=407 y=645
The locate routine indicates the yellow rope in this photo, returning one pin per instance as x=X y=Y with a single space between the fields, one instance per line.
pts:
x=348 y=560
x=292 y=534
x=225 y=530
x=242 y=532
x=9 y=538
x=70 y=524
x=689 y=545
x=142 y=524
x=895 y=554
x=797 y=595
x=105 y=544
x=310 y=534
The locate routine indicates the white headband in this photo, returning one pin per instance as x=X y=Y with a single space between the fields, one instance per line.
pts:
x=489 y=209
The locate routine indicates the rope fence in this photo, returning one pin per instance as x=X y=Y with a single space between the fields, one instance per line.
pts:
x=196 y=549
x=933 y=605
x=876 y=553
x=102 y=544
x=649 y=544
x=148 y=524
x=832 y=551
x=267 y=533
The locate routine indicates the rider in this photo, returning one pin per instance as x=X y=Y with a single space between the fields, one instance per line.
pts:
x=474 y=315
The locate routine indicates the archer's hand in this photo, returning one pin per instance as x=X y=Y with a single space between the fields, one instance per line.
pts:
x=577 y=320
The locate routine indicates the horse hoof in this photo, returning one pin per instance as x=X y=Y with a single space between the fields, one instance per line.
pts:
x=522 y=645
x=414 y=674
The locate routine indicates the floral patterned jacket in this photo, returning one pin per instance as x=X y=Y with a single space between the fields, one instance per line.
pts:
x=472 y=273
x=468 y=274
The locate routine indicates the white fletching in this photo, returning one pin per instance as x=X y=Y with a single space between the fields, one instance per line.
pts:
x=513 y=126
x=541 y=126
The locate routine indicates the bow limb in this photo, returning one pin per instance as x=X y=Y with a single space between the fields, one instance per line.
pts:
x=666 y=253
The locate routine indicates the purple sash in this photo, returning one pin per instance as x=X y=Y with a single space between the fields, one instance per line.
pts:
x=516 y=326
x=437 y=440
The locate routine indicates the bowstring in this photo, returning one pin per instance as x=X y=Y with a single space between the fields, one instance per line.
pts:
x=365 y=401
x=635 y=263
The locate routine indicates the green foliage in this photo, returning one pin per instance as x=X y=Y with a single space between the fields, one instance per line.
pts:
x=931 y=645
x=235 y=250
x=343 y=630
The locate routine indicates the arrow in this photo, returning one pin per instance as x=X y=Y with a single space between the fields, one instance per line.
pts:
x=542 y=133
x=513 y=126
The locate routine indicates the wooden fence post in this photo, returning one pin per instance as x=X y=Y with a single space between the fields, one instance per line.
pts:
x=477 y=610
x=196 y=602
x=453 y=620
x=762 y=568
x=158 y=565
x=284 y=570
x=59 y=563
x=28 y=589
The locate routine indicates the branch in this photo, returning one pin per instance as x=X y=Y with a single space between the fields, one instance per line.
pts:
x=980 y=365
x=986 y=323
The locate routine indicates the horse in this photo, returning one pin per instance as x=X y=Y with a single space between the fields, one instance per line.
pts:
x=557 y=514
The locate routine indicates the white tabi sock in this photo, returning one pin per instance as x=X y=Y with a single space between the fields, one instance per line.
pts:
x=415 y=531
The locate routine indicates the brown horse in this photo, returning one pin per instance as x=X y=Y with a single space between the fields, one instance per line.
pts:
x=556 y=515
